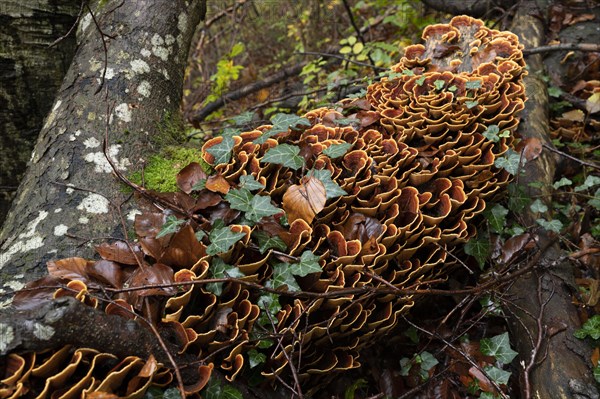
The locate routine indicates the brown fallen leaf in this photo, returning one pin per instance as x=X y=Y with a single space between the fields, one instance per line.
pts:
x=532 y=148
x=217 y=184
x=189 y=176
x=305 y=200
x=592 y=104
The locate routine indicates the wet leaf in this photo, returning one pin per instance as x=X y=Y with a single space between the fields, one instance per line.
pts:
x=286 y=155
x=222 y=239
x=305 y=200
x=119 y=252
x=183 y=250
x=222 y=151
x=498 y=347
x=69 y=269
x=107 y=272
x=337 y=150
x=149 y=224
x=152 y=275
x=514 y=246
x=189 y=177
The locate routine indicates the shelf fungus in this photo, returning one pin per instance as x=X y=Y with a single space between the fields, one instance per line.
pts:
x=376 y=192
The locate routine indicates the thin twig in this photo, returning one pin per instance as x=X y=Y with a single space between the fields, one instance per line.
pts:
x=563 y=47
x=562 y=154
x=340 y=57
x=63 y=37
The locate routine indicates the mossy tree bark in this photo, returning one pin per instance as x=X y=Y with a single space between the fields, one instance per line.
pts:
x=69 y=189
x=542 y=317
x=30 y=74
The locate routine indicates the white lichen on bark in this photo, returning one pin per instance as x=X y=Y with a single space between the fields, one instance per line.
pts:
x=94 y=203
x=26 y=241
x=42 y=331
x=7 y=335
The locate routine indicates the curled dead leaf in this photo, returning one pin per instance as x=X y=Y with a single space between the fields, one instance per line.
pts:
x=217 y=184
x=190 y=176
x=305 y=200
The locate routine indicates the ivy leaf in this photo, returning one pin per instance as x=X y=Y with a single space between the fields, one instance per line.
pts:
x=171 y=393
x=554 y=91
x=286 y=155
x=266 y=242
x=255 y=358
x=589 y=182
x=281 y=123
x=452 y=88
x=591 y=328
x=491 y=133
x=498 y=347
x=408 y=72
x=597 y=374
x=337 y=150
x=479 y=248
x=517 y=198
x=200 y=234
x=282 y=276
x=221 y=240
x=439 y=84
x=474 y=84
x=496 y=217
x=243 y=118
x=171 y=225
x=309 y=263
x=219 y=269
x=538 y=206
x=510 y=162
x=332 y=189
x=240 y=199
x=222 y=151
x=200 y=185
x=230 y=132
x=420 y=81
x=427 y=361
x=215 y=390
x=471 y=104
x=595 y=202
x=561 y=183
x=554 y=225
x=249 y=182
x=260 y=207
x=268 y=303
x=498 y=375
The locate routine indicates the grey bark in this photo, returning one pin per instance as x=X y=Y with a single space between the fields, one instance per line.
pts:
x=69 y=189
x=30 y=74
x=474 y=8
x=562 y=368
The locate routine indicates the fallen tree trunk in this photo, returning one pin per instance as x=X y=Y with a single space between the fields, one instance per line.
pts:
x=126 y=78
x=542 y=317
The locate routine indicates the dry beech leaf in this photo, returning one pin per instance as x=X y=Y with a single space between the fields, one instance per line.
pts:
x=217 y=184
x=69 y=269
x=575 y=115
x=595 y=356
x=189 y=176
x=532 y=148
x=152 y=275
x=107 y=271
x=149 y=368
x=149 y=224
x=184 y=250
x=27 y=300
x=120 y=252
x=514 y=247
x=305 y=200
x=592 y=104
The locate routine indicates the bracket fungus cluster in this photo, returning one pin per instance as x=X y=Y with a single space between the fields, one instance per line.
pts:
x=374 y=193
